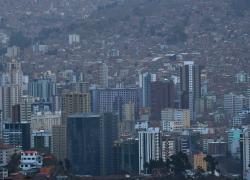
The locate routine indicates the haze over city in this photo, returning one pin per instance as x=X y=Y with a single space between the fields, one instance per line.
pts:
x=124 y=89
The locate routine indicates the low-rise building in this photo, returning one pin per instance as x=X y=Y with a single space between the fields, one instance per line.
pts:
x=30 y=160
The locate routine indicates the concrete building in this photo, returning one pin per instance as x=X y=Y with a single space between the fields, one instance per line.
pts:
x=112 y=100
x=233 y=138
x=83 y=132
x=45 y=120
x=175 y=119
x=149 y=147
x=102 y=75
x=10 y=95
x=199 y=162
x=90 y=141
x=41 y=141
x=234 y=104
x=74 y=39
x=245 y=151
x=145 y=80
x=17 y=135
x=128 y=118
x=74 y=102
x=26 y=108
x=59 y=141
x=15 y=72
x=162 y=96
x=30 y=160
x=43 y=88
x=168 y=147
x=190 y=81
x=126 y=156
x=217 y=148
x=6 y=152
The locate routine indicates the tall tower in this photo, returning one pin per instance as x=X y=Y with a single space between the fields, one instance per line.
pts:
x=10 y=95
x=190 y=80
x=149 y=147
x=144 y=85
x=245 y=151
x=102 y=75
x=15 y=72
x=72 y=102
x=25 y=108
x=162 y=96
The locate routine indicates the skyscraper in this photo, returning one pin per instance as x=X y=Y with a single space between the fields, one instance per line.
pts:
x=72 y=102
x=190 y=80
x=145 y=80
x=112 y=100
x=90 y=139
x=15 y=72
x=83 y=137
x=245 y=151
x=26 y=108
x=10 y=95
x=162 y=96
x=109 y=134
x=43 y=88
x=149 y=147
x=102 y=75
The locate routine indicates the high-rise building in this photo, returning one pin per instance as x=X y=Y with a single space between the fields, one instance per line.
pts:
x=149 y=147
x=162 y=96
x=10 y=95
x=74 y=102
x=109 y=134
x=59 y=141
x=234 y=104
x=126 y=156
x=90 y=140
x=112 y=100
x=17 y=135
x=128 y=119
x=83 y=137
x=190 y=81
x=102 y=75
x=26 y=108
x=43 y=88
x=168 y=147
x=15 y=72
x=234 y=141
x=245 y=151
x=145 y=80
x=16 y=113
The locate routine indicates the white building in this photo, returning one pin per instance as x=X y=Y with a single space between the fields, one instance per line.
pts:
x=30 y=160
x=45 y=120
x=74 y=39
x=149 y=147
x=168 y=147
